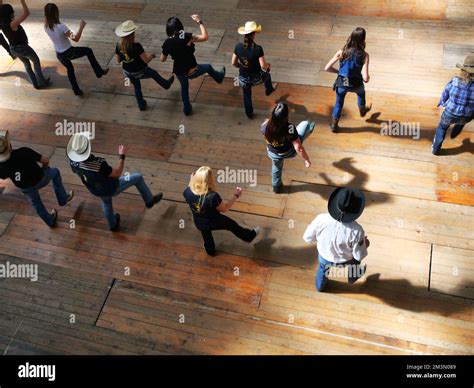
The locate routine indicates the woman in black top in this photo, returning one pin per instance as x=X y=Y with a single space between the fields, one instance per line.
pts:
x=249 y=58
x=180 y=45
x=284 y=141
x=207 y=206
x=16 y=35
x=135 y=61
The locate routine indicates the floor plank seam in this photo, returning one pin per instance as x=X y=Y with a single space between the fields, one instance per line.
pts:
x=13 y=338
x=105 y=300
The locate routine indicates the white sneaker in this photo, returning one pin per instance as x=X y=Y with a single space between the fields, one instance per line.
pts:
x=257 y=230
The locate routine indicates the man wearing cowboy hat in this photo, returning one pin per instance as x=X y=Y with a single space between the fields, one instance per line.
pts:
x=458 y=102
x=103 y=180
x=21 y=166
x=341 y=241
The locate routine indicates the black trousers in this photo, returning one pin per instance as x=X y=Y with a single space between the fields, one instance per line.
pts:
x=222 y=222
x=4 y=43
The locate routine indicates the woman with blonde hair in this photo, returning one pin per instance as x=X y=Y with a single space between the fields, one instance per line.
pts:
x=207 y=208
x=135 y=61
x=458 y=100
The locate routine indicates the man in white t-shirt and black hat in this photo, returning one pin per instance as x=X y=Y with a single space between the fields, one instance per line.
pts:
x=341 y=241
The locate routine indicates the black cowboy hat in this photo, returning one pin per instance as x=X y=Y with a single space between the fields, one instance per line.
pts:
x=346 y=204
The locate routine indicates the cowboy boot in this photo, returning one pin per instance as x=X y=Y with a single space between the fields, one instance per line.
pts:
x=364 y=109
x=334 y=124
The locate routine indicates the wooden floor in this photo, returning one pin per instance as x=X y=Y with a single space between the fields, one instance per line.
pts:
x=151 y=289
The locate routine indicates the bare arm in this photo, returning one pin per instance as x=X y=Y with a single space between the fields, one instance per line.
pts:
x=77 y=36
x=117 y=58
x=235 y=61
x=224 y=207
x=302 y=152
x=118 y=171
x=20 y=19
x=44 y=161
x=163 y=57
x=147 y=58
x=204 y=35
x=264 y=64
x=365 y=69
x=330 y=65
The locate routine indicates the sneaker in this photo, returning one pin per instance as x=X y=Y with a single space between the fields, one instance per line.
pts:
x=334 y=125
x=364 y=268
x=157 y=198
x=223 y=71
x=364 y=110
x=78 y=92
x=117 y=223
x=54 y=214
x=70 y=196
x=277 y=189
x=257 y=230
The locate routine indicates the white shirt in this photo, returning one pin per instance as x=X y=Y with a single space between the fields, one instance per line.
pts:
x=58 y=36
x=337 y=242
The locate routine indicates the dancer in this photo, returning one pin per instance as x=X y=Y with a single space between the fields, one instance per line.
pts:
x=19 y=47
x=249 y=58
x=104 y=181
x=181 y=46
x=340 y=239
x=135 y=61
x=61 y=37
x=353 y=72
x=207 y=206
x=21 y=166
x=458 y=100
x=284 y=141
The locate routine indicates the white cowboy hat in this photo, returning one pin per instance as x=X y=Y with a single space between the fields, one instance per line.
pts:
x=5 y=148
x=126 y=28
x=79 y=147
x=249 y=28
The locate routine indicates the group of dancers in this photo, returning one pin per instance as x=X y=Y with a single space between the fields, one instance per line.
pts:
x=340 y=239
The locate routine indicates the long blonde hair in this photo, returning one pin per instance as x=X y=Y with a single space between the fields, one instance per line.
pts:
x=126 y=43
x=202 y=181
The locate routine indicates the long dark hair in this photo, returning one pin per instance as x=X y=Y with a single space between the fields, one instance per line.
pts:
x=6 y=15
x=355 y=43
x=248 y=40
x=51 y=14
x=277 y=126
x=173 y=26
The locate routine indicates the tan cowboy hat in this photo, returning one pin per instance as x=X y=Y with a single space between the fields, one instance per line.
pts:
x=5 y=148
x=79 y=147
x=468 y=65
x=249 y=28
x=126 y=28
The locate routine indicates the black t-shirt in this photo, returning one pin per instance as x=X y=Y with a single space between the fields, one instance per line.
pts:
x=249 y=59
x=285 y=144
x=94 y=174
x=181 y=52
x=204 y=207
x=15 y=38
x=131 y=60
x=22 y=168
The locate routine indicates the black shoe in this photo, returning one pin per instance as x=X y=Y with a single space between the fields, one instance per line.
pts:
x=188 y=113
x=78 y=92
x=211 y=253
x=250 y=115
x=54 y=213
x=277 y=189
x=170 y=82
x=275 y=87
x=104 y=72
x=223 y=74
x=117 y=223
x=143 y=107
x=157 y=198
x=334 y=125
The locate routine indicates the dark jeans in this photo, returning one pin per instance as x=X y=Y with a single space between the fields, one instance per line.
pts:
x=447 y=119
x=27 y=55
x=341 y=95
x=222 y=222
x=247 y=82
x=4 y=44
x=148 y=73
x=184 y=81
x=50 y=174
x=69 y=55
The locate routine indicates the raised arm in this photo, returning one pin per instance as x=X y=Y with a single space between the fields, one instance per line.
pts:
x=118 y=171
x=224 y=207
x=76 y=37
x=204 y=35
x=20 y=19
x=330 y=65
x=147 y=58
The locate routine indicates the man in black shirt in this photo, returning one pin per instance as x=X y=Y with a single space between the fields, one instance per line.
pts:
x=104 y=181
x=21 y=166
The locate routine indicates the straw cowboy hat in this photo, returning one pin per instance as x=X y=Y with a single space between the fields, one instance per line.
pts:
x=79 y=147
x=468 y=65
x=5 y=148
x=249 y=28
x=346 y=204
x=126 y=28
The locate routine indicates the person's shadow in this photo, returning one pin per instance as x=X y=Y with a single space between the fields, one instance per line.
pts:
x=48 y=71
x=401 y=294
x=466 y=147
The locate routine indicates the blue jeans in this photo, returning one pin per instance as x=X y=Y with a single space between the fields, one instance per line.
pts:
x=27 y=56
x=341 y=95
x=247 y=82
x=324 y=267
x=184 y=81
x=126 y=182
x=148 y=73
x=50 y=174
x=446 y=120
x=303 y=130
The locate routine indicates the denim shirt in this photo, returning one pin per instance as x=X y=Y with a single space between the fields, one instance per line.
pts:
x=458 y=98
